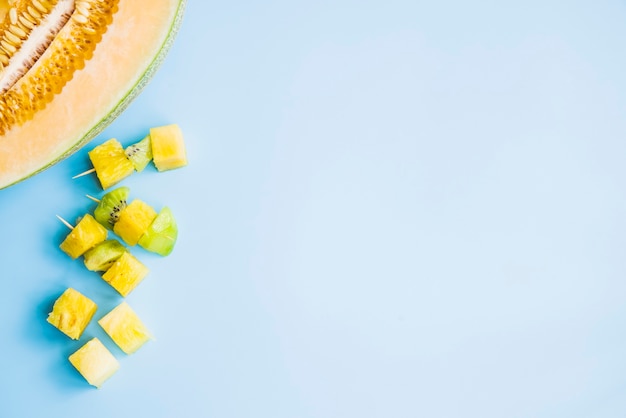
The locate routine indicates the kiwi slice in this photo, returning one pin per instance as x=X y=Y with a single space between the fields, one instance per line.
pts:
x=103 y=255
x=108 y=210
x=160 y=237
x=140 y=153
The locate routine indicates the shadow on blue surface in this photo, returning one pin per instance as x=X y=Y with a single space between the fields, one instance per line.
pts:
x=46 y=337
x=41 y=334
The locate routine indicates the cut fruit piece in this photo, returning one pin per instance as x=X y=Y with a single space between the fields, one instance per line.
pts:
x=94 y=362
x=102 y=256
x=134 y=221
x=168 y=147
x=140 y=153
x=86 y=235
x=110 y=206
x=43 y=43
x=52 y=110
x=72 y=312
x=161 y=236
x=125 y=328
x=110 y=162
x=125 y=274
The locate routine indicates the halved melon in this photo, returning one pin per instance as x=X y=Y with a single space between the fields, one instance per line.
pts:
x=96 y=63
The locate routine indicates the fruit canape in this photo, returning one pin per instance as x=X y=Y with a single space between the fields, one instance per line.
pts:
x=164 y=146
x=137 y=223
x=122 y=270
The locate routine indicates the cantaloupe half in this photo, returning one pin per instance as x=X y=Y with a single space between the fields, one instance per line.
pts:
x=40 y=126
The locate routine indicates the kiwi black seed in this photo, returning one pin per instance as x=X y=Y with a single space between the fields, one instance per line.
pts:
x=108 y=210
x=140 y=153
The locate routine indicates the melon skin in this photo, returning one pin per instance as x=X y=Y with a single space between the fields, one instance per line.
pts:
x=128 y=56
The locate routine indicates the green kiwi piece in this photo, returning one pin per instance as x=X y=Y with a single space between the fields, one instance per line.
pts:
x=103 y=255
x=140 y=153
x=161 y=235
x=108 y=210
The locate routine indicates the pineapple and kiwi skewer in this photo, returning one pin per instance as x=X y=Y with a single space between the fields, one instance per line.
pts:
x=137 y=223
x=164 y=146
x=120 y=269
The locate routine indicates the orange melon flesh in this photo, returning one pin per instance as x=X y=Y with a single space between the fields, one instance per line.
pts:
x=124 y=61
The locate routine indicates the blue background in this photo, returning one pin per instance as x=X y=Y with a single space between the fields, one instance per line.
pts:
x=391 y=209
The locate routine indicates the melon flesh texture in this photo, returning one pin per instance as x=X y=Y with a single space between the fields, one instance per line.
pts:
x=124 y=61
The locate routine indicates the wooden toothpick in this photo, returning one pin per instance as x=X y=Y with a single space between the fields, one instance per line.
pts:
x=66 y=223
x=84 y=173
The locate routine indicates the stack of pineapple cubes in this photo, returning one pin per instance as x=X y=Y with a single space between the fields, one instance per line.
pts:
x=73 y=311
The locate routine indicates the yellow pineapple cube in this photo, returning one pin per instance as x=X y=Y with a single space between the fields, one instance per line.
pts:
x=72 y=312
x=111 y=163
x=168 y=147
x=125 y=274
x=134 y=220
x=125 y=328
x=85 y=235
x=94 y=362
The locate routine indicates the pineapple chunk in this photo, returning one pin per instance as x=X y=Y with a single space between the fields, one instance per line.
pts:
x=94 y=362
x=110 y=162
x=72 y=312
x=125 y=328
x=133 y=221
x=168 y=147
x=125 y=274
x=85 y=235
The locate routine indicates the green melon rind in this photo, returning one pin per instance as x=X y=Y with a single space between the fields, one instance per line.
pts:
x=121 y=106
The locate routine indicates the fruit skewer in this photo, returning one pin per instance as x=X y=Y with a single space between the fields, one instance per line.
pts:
x=137 y=223
x=112 y=163
x=120 y=268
